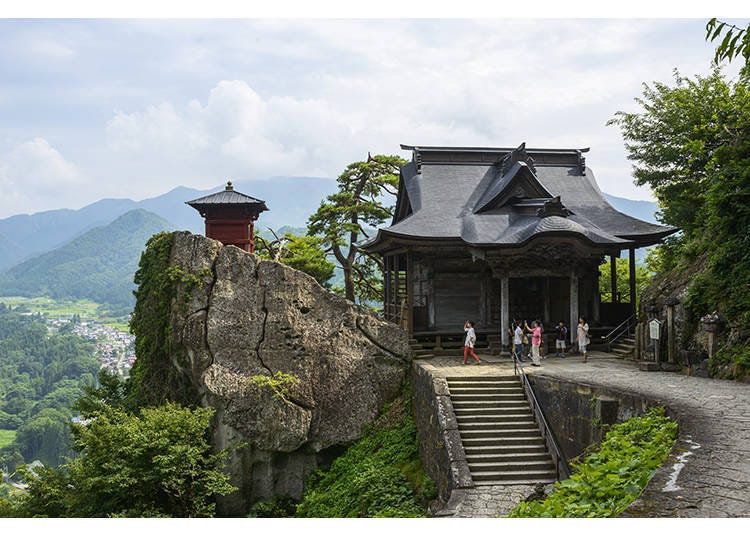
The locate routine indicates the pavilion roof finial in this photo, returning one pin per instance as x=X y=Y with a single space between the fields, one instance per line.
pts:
x=229 y=187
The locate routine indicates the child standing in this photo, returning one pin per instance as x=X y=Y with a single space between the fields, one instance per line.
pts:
x=471 y=338
x=562 y=335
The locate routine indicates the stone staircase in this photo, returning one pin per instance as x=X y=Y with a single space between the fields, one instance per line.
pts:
x=624 y=346
x=498 y=431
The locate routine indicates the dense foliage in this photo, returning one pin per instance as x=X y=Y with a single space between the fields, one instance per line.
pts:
x=98 y=265
x=691 y=145
x=343 y=219
x=302 y=252
x=378 y=476
x=153 y=379
x=608 y=480
x=41 y=376
x=156 y=462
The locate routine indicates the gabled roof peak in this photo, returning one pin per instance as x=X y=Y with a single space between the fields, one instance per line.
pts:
x=519 y=154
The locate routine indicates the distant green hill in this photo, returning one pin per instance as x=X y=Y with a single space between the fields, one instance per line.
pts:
x=23 y=236
x=98 y=265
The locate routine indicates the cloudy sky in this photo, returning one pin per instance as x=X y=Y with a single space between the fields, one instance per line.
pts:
x=133 y=108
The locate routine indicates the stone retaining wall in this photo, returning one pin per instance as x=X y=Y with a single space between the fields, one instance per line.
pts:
x=577 y=412
x=440 y=447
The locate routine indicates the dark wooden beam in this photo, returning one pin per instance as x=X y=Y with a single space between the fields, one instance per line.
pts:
x=613 y=277
x=632 y=281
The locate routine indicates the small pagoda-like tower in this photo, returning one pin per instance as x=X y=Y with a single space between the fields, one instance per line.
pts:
x=229 y=216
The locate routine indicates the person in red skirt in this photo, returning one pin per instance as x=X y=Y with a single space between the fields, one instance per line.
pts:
x=471 y=338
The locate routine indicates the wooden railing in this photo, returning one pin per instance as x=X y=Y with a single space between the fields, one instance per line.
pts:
x=561 y=463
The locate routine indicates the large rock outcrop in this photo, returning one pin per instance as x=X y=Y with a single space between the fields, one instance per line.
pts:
x=235 y=316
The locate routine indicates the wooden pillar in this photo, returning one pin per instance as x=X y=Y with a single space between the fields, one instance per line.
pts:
x=504 y=311
x=573 y=302
x=613 y=277
x=632 y=281
x=547 y=313
x=386 y=286
x=597 y=298
x=409 y=293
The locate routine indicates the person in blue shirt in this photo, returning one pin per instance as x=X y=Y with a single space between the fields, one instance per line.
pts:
x=560 y=338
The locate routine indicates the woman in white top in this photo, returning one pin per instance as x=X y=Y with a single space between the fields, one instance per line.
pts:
x=582 y=335
x=471 y=338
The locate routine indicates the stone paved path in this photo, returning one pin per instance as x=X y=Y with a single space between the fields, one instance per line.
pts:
x=711 y=478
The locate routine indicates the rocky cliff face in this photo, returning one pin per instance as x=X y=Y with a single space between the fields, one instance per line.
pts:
x=235 y=316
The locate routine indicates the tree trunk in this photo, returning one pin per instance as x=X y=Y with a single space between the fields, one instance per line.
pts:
x=348 y=282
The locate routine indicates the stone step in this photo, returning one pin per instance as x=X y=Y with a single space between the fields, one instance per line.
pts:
x=509 y=396
x=466 y=404
x=509 y=457
x=475 y=380
x=464 y=417
x=497 y=392
x=494 y=440
x=501 y=403
x=416 y=346
x=490 y=430
x=487 y=483
x=423 y=356
x=523 y=465
x=507 y=388
x=540 y=475
x=504 y=449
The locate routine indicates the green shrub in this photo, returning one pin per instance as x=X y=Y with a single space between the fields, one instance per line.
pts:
x=611 y=478
x=378 y=476
x=731 y=363
x=280 y=506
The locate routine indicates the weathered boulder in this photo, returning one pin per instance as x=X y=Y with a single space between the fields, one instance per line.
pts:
x=235 y=316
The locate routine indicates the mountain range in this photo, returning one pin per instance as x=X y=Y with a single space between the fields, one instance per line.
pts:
x=93 y=252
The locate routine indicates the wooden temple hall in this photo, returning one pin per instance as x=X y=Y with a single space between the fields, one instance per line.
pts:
x=492 y=234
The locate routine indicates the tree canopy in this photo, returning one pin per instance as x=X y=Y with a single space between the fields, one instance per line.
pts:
x=364 y=201
x=691 y=145
x=302 y=252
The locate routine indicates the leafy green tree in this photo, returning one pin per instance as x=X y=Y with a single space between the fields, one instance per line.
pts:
x=304 y=253
x=622 y=267
x=735 y=41
x=360 y=205
x=691 y=145
x=154 y=463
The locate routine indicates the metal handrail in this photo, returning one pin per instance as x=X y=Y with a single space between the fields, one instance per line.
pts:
x=623 y=328
x=561 y=463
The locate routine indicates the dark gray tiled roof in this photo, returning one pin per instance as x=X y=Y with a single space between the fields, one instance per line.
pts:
x=446 y=198
x=227 y=197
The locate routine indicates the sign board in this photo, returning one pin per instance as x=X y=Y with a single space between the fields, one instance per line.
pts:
x=653 y=329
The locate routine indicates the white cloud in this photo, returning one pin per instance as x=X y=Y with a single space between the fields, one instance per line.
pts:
x=34 y=174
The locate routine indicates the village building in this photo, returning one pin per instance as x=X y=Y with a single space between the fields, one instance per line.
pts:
x=492 y=234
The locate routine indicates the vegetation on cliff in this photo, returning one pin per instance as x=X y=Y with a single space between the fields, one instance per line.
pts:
x=691 y=145
x=153 y=378
x=609 y=479
x=343 y=218
x=378 y=476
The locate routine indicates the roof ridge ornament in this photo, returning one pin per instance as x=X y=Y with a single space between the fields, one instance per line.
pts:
x=229 y=187
x=553 y=207
x=518 y=154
